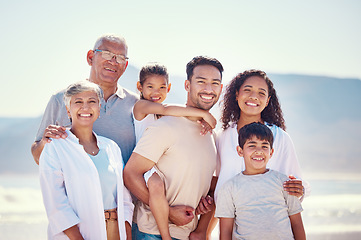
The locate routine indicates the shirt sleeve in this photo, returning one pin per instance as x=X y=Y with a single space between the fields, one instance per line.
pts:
x=60 y=214
x=291 y=164
x=293 y=202
x=51 y=115
x=225 y=207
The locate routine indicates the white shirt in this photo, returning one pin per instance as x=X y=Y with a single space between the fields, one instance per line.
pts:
x=140 y=126
x=283 y=160
x=71 y=188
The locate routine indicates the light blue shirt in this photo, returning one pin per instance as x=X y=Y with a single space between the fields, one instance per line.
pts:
x=108 y=179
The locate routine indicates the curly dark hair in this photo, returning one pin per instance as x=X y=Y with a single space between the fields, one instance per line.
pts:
x=231 y=112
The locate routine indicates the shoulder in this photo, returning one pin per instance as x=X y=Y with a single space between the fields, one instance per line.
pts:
x=55 y=146
x=130 y=94
x=58 y=97
x=278 y=132
x=278 y=175
x=106 y=141
x=223 y=134
x=233 y=181
x=169 y=121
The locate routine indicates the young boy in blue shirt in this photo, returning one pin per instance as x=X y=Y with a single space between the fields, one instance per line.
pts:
x=253 y=204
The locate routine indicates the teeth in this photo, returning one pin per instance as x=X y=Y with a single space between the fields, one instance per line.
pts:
x=258 y=159
x=206 y=97
x=112 y=70
x=85 y=115
x=251 y=104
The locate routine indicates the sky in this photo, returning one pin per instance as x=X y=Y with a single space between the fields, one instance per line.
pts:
x=44 y=43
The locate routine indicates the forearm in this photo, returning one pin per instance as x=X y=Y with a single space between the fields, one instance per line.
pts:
x=128 y=230
x=36 y=149
x=204 y=220
x=225 y=235
x=297 y=227
x=226 y=228
x=136 y=185
x=134 y=177
x=73 y=233
x=182 y=111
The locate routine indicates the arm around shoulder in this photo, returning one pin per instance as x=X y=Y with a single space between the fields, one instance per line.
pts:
x=36 y=149
x=55 y=113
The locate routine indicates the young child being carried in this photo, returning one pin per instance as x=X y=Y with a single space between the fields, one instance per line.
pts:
x=153 y=86
x=253 y=204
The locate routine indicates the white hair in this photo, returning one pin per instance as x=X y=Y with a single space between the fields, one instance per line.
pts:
x=79 y=87
x=110 y=38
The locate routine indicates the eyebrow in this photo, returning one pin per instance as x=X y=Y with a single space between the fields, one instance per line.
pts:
x=252 y=87
x=214 y=79
x=263 y=143
x=83 y=98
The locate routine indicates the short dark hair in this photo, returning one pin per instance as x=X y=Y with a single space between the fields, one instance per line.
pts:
x=257 y=129
x=150 y=70
x=202 y=60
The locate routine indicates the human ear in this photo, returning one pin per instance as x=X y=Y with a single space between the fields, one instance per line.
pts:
x=89 y=57
x=139 y=86
x=187 y=85
x=268 y=100
x=240 y=151
x=271 y=152
x=68 y=111
x=168 y=89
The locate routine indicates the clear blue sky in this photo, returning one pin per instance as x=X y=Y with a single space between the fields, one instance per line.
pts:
x=44 y=43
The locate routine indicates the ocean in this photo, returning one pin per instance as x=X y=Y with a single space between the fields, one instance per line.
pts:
x=333 y=211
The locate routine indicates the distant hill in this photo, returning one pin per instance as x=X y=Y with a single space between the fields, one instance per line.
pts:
x=323 y=117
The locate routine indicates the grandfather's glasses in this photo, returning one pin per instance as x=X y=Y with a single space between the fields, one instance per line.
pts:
x=109 y=55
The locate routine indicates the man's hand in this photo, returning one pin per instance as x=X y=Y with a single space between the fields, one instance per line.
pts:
x=205 y=205
x=53 y=131
x=293 y=186
x=181 y=215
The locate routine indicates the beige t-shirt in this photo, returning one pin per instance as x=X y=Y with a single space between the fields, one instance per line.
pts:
x=186 y=159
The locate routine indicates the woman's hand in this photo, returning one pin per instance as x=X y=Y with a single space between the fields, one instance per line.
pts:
x=294 y=186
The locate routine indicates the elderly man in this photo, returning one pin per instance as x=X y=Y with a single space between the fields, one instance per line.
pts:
x=108 y=61
x=185 y=159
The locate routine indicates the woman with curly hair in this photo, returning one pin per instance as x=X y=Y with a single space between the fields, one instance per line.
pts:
x=251 y=97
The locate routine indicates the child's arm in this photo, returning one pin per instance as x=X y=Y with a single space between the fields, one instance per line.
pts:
x=144 y=107
x=297 y=227
x=226 y=228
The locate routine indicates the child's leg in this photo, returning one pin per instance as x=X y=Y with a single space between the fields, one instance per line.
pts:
x=159 y=205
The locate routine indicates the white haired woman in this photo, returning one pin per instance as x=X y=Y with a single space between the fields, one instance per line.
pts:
x=81 y=176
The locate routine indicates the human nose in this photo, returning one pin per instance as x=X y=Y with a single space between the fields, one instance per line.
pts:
x=85 y=105
x=253 y=95
x=258 y=149
x=113 y=59
x=208 y=87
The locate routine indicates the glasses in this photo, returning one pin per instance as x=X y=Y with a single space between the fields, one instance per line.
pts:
x=109 y=56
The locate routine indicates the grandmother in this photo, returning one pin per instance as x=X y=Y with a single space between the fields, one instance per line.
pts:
x=81 y=176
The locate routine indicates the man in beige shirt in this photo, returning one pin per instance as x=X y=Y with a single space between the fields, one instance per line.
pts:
x=185 y=159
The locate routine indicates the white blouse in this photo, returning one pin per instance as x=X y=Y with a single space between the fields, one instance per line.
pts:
x=71 y=188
